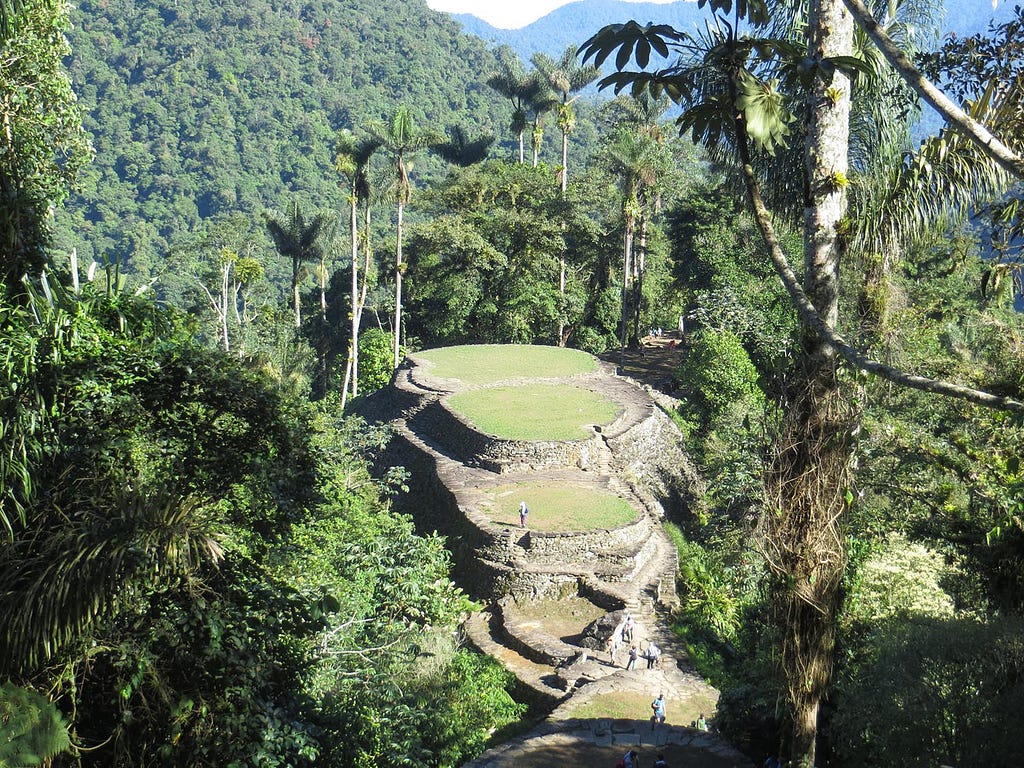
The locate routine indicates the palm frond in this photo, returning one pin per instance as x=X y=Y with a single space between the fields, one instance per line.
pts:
x=88 y=559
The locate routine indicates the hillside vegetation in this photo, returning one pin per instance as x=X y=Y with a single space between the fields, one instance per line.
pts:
x=202 y=108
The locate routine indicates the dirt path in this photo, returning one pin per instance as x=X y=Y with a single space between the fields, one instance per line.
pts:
x=654 y=364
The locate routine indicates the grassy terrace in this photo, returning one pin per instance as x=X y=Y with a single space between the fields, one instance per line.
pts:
x=475 y=364
x=558 y=507
x=534 y=411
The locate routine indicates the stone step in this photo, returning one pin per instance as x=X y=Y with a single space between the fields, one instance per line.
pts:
x=535 y=680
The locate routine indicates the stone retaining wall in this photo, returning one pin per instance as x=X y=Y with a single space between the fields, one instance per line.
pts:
x=495 y=454
x=582 y=546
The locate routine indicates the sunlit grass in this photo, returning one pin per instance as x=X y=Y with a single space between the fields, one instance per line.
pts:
x=559 y=507
x=630 y=705
x=487 y=363
x=534 y=411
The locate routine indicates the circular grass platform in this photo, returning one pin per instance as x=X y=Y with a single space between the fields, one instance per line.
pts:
x=534 y=411
x=476 y=364
x=635 y=706
x=558 y=507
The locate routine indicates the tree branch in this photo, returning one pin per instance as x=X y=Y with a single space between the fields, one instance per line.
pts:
x=1005 y=157
x=809 y=315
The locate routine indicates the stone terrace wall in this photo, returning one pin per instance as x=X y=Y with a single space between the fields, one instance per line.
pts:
x=454 y=434
x=650 y=455
x=452 y=465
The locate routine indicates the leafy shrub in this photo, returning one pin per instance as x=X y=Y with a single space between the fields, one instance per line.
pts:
x=933 y=691
x=376 y=350
x=717 y=372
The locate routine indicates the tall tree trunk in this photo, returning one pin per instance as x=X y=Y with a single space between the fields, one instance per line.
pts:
x=295 y=294
x=398 y=285
x=225 y=284
x=809 y=477
x=639 y=267
x=363 y=290
x=627 y=268
x=565 y=162
x=353 y=339
x=561 y=256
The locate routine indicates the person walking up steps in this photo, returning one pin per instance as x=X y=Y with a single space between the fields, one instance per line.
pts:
x=523 y=512
x=653 y=654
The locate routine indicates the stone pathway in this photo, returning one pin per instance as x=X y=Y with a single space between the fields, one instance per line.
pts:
x=571 y=736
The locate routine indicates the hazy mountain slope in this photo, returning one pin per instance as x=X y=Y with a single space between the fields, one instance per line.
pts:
x=210 y=106
x=969 y=17
x=573 y=23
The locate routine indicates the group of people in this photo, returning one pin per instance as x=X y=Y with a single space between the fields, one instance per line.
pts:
x=652 y=654
x=632 y=760
x=658 y=715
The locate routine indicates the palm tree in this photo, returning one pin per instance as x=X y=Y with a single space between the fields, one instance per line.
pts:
x=299 y=240
x=351 y=161
x=522 y=90
x=639 y=160
x=566 y=78
x=402 y=140
x=462 y=151
x=541 y=104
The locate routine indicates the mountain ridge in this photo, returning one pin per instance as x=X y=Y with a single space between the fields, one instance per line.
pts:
x=574 y=22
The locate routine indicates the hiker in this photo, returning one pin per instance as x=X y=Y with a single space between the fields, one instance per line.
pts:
x=660 y=762
x=627 y=628
x=611 y=645
x=631 y=664
x=653 y=654
x=630 y=760
x=702 y=724
x=658 y=706
x=523 y=512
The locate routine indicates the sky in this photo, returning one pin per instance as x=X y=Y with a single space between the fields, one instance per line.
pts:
x=503 y=14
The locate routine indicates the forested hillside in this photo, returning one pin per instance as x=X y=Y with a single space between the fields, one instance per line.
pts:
x=207 y=107
x=201 y=562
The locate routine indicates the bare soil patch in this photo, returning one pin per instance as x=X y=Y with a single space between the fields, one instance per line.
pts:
x=565 y=618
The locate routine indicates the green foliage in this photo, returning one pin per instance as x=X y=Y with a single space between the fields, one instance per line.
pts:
x=486 y=268
x=393 y=687
x=899 y=579
x=43 y=145
x=952 y=691
x=708 y=596
x=138 y=443
x=717 y=373
x=222 y=107
x=375 y=360
x=32 y=730
x=718 y=261
x=214 y=578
